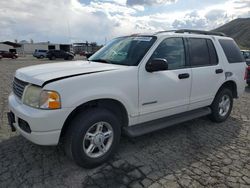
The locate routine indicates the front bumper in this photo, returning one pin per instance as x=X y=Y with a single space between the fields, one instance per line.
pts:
x=45 y=125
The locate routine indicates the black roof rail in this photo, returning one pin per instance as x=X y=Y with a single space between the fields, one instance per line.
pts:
x=200 y=32
x=164 y=31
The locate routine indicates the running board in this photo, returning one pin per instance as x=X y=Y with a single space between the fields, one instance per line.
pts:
x=151 y=126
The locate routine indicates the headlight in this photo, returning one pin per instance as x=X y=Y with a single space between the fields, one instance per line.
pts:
x=35 y=97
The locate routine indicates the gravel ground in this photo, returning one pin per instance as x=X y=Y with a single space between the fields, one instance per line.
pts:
x=197 y=153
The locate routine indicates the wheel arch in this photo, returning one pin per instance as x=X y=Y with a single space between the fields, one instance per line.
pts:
x=113 y=105
x=230 y=84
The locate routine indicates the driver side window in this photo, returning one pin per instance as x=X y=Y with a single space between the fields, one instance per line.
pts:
x=171 y=49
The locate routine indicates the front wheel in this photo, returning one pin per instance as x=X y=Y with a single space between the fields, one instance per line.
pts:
x=93 y=137
x=222 y=105
x=70 y=57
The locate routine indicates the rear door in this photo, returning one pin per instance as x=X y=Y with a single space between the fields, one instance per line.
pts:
x=207 y=73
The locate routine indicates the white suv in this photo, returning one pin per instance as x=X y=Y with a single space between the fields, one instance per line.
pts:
x=135 y=84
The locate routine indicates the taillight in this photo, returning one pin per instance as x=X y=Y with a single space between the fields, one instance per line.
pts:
x=246 y=73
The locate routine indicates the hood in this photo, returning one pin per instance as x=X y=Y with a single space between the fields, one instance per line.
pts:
x=41 y=74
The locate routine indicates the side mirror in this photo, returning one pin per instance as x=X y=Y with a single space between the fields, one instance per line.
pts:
x=157 y=64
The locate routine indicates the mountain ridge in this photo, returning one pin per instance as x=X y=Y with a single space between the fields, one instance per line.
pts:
x=239 y=30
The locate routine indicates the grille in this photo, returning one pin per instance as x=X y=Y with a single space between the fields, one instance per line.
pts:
x=18 y=87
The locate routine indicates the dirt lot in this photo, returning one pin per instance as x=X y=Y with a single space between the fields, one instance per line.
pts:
x=197 y=153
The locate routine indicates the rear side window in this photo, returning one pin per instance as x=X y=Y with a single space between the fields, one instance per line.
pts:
x=202 y=52
x=231 y=51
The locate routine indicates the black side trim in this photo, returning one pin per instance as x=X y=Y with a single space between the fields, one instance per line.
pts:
x=147 y=103
x=147 y=127
x=73 y=75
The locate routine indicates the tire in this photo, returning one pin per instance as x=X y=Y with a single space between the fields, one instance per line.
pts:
x=41 y=56
x=220 y=108
x=68 y=58
x=77 y=144
x=52 y=57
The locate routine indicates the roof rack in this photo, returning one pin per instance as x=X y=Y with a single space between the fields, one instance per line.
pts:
x=164 y=31
x=200 y=32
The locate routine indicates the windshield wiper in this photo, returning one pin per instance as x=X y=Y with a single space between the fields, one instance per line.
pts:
x=100 y=60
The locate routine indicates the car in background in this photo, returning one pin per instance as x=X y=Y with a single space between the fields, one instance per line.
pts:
x=72 y=52
x=54 y=54
x=247 y=76
x=86 y=54
x=82 y=53
x=246 y=54
x=40 y=54
x=6 y=54
x=89 y=54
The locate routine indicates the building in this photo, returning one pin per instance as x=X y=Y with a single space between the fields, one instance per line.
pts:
x=29 y=48
x=26 y=48
x=5 y=47
x=10 y=46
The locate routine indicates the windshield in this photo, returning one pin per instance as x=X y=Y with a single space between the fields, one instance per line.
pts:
x=124 y=50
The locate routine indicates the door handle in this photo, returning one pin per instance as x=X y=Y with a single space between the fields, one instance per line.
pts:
x=183 y=76
x=218 y=71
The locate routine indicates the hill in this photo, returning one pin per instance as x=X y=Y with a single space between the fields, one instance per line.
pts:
x=239 y=30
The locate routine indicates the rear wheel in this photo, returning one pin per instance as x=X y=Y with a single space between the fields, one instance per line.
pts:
x=41 y=57
x=222 y=105
x=93 y=137
x=52 y=57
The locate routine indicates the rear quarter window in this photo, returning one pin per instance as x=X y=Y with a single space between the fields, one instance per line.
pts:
x=231 y=51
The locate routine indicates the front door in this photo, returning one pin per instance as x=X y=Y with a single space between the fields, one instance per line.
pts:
x=165 y=93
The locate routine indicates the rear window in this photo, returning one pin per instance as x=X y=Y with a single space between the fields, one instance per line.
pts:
x=231 y=51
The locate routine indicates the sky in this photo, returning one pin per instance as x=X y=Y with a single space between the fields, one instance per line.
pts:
x=68 y=21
